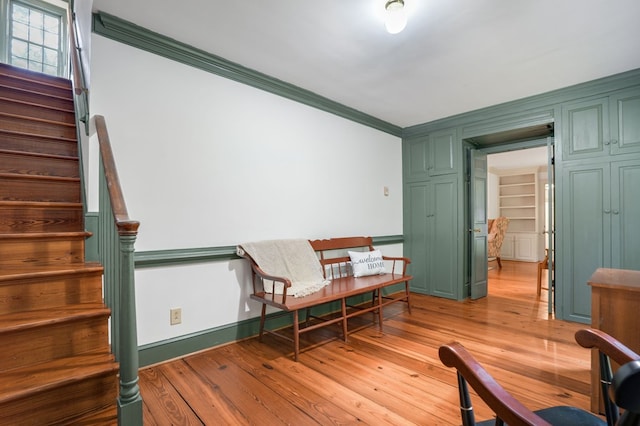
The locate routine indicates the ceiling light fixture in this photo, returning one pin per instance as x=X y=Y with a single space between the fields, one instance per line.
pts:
x=395 y=16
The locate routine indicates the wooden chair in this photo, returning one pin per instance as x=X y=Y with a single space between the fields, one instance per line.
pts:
x=543 y=264
x=510 y=411
x=609 y=349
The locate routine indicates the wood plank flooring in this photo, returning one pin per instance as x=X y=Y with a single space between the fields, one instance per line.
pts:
x=392 y=377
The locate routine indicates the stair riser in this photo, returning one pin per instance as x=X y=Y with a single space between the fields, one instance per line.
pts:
x=30 y=143
x=43 y=128
x=55 y=406
x=40 y=252
x=35 y=111
x=62 y=91
x=41 y=344
x=50 y=292
x=30 y=219
x=37 y=165
x=36 y=98
x=28 y=189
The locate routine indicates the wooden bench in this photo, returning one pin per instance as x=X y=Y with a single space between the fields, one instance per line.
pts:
x=335 y=261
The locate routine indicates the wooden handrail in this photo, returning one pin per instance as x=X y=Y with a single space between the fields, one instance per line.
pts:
x=74 y=53
x=124 y=225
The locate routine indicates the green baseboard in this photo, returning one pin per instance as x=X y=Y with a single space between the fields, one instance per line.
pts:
x=165 y=350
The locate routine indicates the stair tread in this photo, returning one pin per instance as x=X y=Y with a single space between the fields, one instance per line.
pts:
x=37 y=104
x=23 y=381
x=17 y=321
x=26 y=176
x=8 y=274
x=40 y=204
x=45 y=235
x=34 y=77
x=38 y=135
x=40 y=120
x=39 y=154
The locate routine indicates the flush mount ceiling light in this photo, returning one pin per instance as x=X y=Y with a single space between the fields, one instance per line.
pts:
x=395 y=16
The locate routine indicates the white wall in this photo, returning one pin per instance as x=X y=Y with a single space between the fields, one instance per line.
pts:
x=205 y=161
x=493 y=192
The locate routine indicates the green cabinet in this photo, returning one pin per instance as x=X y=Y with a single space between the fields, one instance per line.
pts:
x=597 y=127
x=625 y=215
x=431 y=236
x=600 y=228
x=432 y=155
x=432 y=176
x=625 y=121
x=585 y=128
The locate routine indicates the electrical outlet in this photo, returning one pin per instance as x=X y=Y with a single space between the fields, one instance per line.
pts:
x=175 y=316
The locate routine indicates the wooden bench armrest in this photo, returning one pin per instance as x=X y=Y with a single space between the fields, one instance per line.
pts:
x=405 y=262
x=256 y=271
x=591 y=338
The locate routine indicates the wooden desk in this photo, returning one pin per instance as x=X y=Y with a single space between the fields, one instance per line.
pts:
x=615 y=309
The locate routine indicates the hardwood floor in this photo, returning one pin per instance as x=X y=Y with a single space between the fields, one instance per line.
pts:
x=392 y=377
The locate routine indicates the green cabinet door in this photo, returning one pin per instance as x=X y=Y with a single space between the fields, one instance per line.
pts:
x=416 y=234
x=432 y=155
x=585 y=129
x=625 y=215
x=444 y=152
x=444 y=242
x=416 y=159
x=625 y=122
x=600 y=228
x=431 y=236
x=584 y=241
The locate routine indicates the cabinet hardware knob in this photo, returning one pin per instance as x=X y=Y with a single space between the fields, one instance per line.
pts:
x=616 y=212
x=607 y=142
x=614 y=141
x=607 y=211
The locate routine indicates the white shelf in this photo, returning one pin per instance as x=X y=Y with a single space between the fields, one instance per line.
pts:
x=518 y=200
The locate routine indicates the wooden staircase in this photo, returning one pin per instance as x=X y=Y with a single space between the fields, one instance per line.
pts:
x=56 y=366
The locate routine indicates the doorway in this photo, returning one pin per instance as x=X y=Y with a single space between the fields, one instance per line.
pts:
x=518 y=188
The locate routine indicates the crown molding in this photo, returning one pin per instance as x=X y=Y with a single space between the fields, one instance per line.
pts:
x=117 y=29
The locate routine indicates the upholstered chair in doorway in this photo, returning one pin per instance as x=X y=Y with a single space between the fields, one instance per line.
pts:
x=497 y=230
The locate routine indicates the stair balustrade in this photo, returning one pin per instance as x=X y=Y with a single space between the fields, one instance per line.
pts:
x=117 y=235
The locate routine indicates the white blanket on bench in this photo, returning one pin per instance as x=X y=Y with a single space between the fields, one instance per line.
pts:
x=293 y=259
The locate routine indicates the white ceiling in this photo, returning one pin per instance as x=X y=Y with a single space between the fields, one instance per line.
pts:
x=454 y=55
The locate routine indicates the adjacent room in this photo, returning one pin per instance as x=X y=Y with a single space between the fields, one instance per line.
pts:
x=331 y=212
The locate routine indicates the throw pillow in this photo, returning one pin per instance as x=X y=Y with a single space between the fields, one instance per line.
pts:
x=366 y=263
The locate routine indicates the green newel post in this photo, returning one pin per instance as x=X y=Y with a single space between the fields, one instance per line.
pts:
x=129 y=399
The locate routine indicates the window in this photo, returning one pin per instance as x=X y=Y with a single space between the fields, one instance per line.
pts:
x=36 y=37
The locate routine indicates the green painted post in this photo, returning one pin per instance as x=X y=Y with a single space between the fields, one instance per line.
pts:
x=129 y=400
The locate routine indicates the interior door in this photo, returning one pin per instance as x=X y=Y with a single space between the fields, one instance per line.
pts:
x=551 y=229
x=478 y=223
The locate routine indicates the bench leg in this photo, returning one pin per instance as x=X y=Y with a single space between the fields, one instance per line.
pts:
x=408 y=294
x=344 y=318
x=296 y=335
x=374 y=297
x=262 y=319
x=380 y=309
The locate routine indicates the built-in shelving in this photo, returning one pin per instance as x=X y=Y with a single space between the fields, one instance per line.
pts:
x=518 y=201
